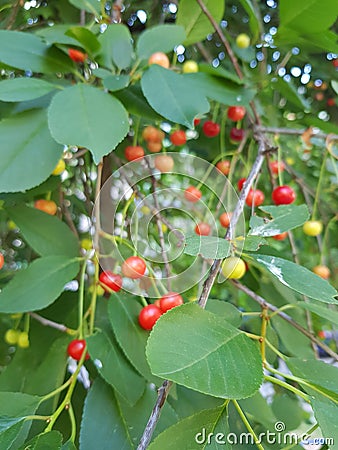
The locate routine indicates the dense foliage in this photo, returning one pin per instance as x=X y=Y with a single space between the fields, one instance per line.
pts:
x=168 y=175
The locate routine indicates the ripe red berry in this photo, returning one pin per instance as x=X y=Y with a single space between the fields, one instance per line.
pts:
x=277 y=167
x=236 y=113
x=240 y=183
x=331 y=102
x=225 y=219
x=110 y=280
x=203 y=229
x=148 y=316
x=192 y=194
x=178 y=137
x=223 y=166
x=255 y=198
x=283 y=195
x=133 y=152
x=236 y=134
x=76 y=55
x=197 y=122
x=170 y=300
x=335 y=63
x=134 y=267
x=211 y=129
x=281 y=236
x=2 y=261
x=76 y=348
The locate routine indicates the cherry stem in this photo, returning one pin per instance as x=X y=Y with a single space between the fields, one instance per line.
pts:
x=81 y=297
x=247 y=424
x=319 y=185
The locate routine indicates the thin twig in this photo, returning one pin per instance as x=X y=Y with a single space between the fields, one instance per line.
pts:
x=97 y=207
x=13 y=15
x=162 y=394
x=49 y=323
x=264 y=304
x=116 y=11
x=295 y=132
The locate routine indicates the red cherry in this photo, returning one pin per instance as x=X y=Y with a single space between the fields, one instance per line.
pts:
x=240 y=183
x=283 y=195
x=76 y=55
x=335 y=63
x=281 y=236
x=223 y=166
x=255 y=198
x=178 y=137
x=203 y=229
x=236 y=134
x=148 y=316
x=170 y=300
x=277 y=166
x=2 y=261
x=197 y=122
x=134 y=267
x=225 y=219
x=76 y=348
x=111 y=280
x=192 y=194
x=211 y=129
x=331 y=102
x=133 y=152
x=236 y=113
x=321 y=334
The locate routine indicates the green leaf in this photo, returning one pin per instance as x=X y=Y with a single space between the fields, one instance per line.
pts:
x=284 y=218
x=92 y=119
x=197 y=25
x=114 y=368
x=161 y=38
x=91 y=6
x=27 y=52
x=171 y=95
x=116 y=82
x=46 y=234
x=321 y=310
x=39 y=285
x=219 y=89
x=23 y=89
x=289 y=91
x=117 y=47
x=210 y=247
x=311 y=15
x=251 y=243
x=219 y=72
x=253 y=18
x=69 y=445
x=44 y=441
x=298 y=278
x=9 y=430
x=123 y=311
x=193 y=430
x=86 y=38
x=56 y=35
x=207 y=355
x=288 y=410
x=135 y=102
x=101 y=410
x=316 y=372
x=326 y=412
x=295 y=343
x=26 y=138
x=14 y=407
x=224 y=309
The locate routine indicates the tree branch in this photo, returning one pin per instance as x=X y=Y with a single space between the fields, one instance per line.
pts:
x=49 y=323
x=264 y=304
x=294 y=132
